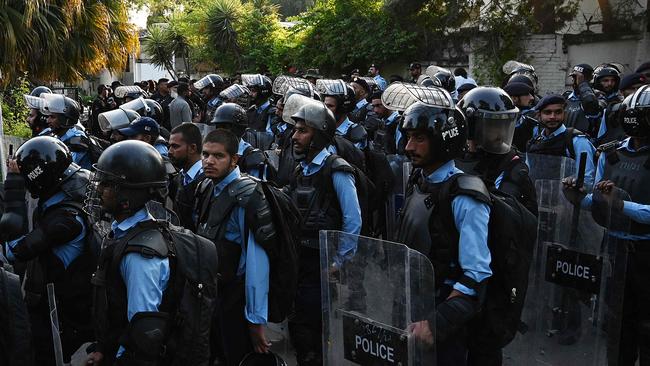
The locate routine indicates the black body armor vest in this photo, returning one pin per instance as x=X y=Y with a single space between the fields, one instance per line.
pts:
x=556 y=145
x=258 y=121
x=184 y=200
x=575 y=117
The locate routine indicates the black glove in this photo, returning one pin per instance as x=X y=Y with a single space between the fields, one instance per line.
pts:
x=453 y=314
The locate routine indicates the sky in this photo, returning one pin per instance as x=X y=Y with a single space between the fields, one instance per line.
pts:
x=139 y=17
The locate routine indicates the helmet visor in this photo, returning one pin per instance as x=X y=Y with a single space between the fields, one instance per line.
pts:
x=234 y=92
x=399 y=96
x=113 y=120
x=252 y=80
x=208 y=80
x=54 y=104
x=283 y=83
x=123 y=91
x=137 y=105
x=293 y=104
x=331 y=87
x=34 y=102
x=494 y=131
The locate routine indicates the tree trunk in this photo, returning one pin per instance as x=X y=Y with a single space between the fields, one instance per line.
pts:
x=608 y=18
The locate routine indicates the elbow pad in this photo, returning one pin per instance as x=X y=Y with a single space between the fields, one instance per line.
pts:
x=453 y=314
x=588 y=99
x=58 y=231
x=12 y=226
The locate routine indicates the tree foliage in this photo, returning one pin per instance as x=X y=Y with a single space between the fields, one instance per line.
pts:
x=64 y=40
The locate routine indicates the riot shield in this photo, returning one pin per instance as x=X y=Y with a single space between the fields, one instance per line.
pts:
x=574 y=301
x=371 y=299
x=401 y=167
x=204 y=128
x=545 y=167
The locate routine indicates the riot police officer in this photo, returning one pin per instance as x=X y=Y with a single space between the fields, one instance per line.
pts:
x=329 y=182
x=607 y=79
x=339 y=97
x=58 y=249
x=523 y=98
x=185 y=146
x=134 y=272
x=436 y=135
x=625 y=165
x=387 y=136
x=210 y=86
x=584 y=106
x=63 y=115
x=250 y=160
x=227 y=198
x=557 y=139
x=36 y=120
x=490 y=116
x=145 y=108
x=146 y=129
x=261 y=112
x=361 y=93
x=112 y=121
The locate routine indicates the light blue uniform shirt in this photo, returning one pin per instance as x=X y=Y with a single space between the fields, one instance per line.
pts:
x=343 y=128
x=580 y=144
x=145 y=278
x=471 y=218
x=67 y=252
x=253 y=263
x=195 y=170
x=346 y=193
x=361 y=104
x=261 y=109
x=381 y=82
x=243 y=145
x=81 y=158
x=162 y=149
x=635 y=211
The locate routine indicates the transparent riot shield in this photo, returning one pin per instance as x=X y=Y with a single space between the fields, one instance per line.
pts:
x=371 y=299
x=550 y=167
x=401 y=168
x=204 y=128
x=572 y=313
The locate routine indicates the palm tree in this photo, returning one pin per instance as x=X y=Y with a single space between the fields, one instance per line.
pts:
x=221 y=22
x=156 y=45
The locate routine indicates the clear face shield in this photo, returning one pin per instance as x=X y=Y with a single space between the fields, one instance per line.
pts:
x=123 y=91
x=494 y=131
x=53 y=104
x=138 y=105
x=115 y=119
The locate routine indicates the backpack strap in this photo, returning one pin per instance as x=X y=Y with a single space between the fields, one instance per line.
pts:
x=569 y=135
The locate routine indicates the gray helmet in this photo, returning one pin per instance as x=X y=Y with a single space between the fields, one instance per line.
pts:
x=116 y=119
x=131 y=91
x=66 y=110
x=212 y=80
x=319 y=117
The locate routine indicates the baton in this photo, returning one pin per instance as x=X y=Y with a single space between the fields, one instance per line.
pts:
x=54 y=321
x=576 y=209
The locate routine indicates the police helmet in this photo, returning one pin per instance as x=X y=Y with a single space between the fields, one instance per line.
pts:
x=37 y=91
x=43 y=161
x=213 y=81
x=137 y=172
x=445 y=126
x=145 y=108
x=604 y=71
x=636 y=116
x=316 y=115
x=261 y=83
x=116 y=119
x=66 y=110
x=446 y=79
x=341 y=91
x=231 y=116
x=491 y=117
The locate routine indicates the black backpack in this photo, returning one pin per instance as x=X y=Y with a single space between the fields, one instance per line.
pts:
x=512 y=233
x=282 y=252
x=15 y=338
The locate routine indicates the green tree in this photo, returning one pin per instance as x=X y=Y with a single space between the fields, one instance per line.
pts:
x=156 y=45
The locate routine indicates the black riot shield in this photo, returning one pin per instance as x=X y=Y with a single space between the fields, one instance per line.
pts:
x=401 y=168
x=371 y=299
x=572 y=314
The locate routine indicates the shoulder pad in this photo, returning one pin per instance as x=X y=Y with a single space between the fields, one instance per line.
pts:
x=77 y=143
x=149 y=243
x=253 y=158
x=339 y=164
x=357 y=133
x=576 y=132
x=242 y=189
x=473 y=186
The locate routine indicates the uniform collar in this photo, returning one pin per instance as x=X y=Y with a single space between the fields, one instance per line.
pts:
x=443 y=172
x=263 y=106
x=555 y=133
x=194 y=170
x=625 y=145
x=362 y=103
x=316 y=163
x=122 y=227
x=243 y=145
x=70 y=133
x=219 y=187
x=390 y=119
x=345 y=126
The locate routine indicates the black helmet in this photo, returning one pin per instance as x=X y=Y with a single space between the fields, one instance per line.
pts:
x=446 y=126
x=232 y=117
x=262 y=359
x=341 y=91
x=135 y=170
x=43 y=161
x=258 y=82
x=316 y=115
x=491 y=117
x=116 y=119
x=527 y=71
x=37 y=91
x=446 y=79
x=636 y=116
x=67 y=110
x=426 y=80
x=145 y=108
x=604 y=71
x=213 y=81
